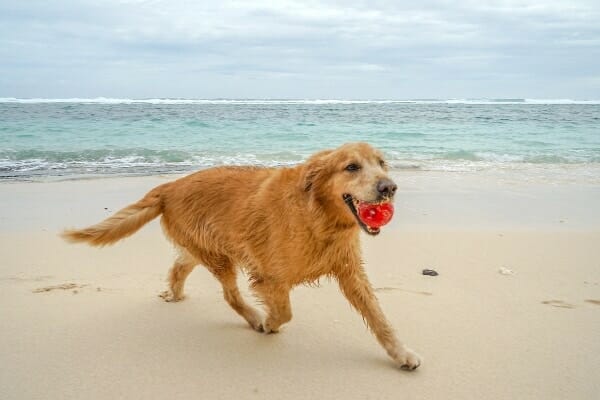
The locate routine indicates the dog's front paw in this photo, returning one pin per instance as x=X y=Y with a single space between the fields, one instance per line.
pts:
x=408 y=360
x=256 y=325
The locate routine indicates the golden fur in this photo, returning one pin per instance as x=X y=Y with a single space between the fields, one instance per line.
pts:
x=283 y=226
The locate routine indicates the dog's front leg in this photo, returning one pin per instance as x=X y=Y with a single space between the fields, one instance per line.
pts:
x=357 y=289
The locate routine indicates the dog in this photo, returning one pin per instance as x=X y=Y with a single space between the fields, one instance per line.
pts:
x=283 y=226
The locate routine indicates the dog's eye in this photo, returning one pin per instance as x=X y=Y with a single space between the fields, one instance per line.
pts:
x=352 y=167
x=382 y=163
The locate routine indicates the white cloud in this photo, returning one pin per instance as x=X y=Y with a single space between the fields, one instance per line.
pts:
x=431 y=48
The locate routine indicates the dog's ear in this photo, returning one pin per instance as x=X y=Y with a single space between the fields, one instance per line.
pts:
x=313 y=168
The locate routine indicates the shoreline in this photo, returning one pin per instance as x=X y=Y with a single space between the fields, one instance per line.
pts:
x=559 y=173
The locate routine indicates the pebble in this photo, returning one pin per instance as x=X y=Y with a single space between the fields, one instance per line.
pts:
x=430 y=272
x=506 y=271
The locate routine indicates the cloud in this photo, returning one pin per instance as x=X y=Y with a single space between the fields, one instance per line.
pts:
x=292 y=49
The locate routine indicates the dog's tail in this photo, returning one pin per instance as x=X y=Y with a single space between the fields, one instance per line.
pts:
x=124 y=223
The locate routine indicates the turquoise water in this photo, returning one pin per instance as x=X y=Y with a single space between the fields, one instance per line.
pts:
x=64 y=138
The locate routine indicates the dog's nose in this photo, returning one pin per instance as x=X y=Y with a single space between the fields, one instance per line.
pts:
x=386 y=187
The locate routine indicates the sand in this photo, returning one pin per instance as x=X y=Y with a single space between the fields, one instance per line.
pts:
x=513 y=313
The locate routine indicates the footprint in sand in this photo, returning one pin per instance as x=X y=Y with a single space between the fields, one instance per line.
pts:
x=390 y=288
x=592 y=301
x=558 y=303
x=64 y=286
x=385 y=289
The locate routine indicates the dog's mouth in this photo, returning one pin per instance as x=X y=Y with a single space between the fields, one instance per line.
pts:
x=371 y=216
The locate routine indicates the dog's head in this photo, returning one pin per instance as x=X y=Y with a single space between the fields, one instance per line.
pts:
x=346 y=181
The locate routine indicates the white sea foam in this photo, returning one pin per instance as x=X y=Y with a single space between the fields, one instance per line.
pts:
x=105 y=100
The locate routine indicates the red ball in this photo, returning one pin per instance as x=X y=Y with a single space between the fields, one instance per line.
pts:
x=376 y=215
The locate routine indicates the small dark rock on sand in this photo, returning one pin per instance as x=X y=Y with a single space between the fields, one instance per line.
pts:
x=430 y=272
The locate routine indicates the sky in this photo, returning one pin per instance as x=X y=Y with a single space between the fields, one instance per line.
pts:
x=300 y=49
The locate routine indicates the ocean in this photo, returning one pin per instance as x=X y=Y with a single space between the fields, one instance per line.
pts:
x=75 y=138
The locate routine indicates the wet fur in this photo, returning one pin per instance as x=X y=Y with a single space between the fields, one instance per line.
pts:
x=283 y=226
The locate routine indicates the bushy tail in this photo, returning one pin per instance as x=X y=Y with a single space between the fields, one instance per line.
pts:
x=120 y=225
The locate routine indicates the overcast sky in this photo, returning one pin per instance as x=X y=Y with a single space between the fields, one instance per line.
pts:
x=293 y=49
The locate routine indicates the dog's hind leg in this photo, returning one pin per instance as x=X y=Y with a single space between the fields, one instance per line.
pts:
x=277 y=300
x=184 y=264
x=227 y=275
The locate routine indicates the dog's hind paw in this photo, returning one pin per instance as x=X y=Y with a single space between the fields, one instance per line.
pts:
x=408 y=360
x=169 y=297
x=263 y=327
x=269 y=327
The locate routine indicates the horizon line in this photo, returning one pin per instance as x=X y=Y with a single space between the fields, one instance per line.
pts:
x=223 y=100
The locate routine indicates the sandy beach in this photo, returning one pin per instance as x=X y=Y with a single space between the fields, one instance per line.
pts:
x=513 y=314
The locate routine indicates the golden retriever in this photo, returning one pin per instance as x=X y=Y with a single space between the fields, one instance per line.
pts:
x=283 y=226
